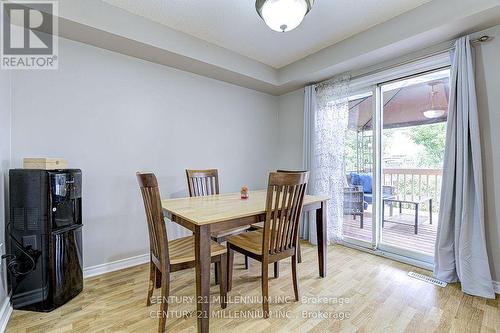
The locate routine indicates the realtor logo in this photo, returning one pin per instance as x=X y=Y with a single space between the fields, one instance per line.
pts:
x=29 y=35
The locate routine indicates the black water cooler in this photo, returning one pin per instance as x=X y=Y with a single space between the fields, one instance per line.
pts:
x=44 y=238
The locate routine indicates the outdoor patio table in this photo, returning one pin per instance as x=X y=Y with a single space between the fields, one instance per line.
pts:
x=415 y=201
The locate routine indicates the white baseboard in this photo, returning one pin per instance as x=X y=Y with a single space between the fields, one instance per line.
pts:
x=115 y=265
x=496 y=287
x=5 y=312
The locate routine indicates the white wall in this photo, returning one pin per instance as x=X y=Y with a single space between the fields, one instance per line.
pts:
x=5 y=112
x=290 y=135
x=103 y=95
x=112 y=115
x=488 y=86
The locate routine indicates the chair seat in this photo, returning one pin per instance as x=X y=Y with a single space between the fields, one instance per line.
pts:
x=230 y=232
x=259 y=225
x=250 y=241
x=181 y=250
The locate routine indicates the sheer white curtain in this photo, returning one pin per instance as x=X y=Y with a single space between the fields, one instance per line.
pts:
x=461 y=245
x=308 y=227
x=326 y=114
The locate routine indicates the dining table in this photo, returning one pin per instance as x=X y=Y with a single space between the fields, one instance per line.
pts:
x=207 y=214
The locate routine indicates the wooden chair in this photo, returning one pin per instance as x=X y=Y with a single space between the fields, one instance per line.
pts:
x=260 y=225
x=206 y=182
x=170 y=256
x=279 y=237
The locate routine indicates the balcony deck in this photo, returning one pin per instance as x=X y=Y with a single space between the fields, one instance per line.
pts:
x=397 y=234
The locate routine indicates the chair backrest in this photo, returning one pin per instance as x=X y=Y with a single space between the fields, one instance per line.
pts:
x=158 y=240
x=202 y=182
x=285 y=195
x=348 y=179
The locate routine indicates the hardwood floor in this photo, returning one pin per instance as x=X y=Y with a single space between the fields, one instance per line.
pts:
x=378 y=296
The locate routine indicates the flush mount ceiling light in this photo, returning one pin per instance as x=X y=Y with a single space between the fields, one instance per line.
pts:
x=433 y=112
x=283 y=15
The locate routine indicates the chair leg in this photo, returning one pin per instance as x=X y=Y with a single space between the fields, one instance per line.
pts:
x=361 y=221
x=294 y=278
x=165 y=291
x=246 y=262
x=158 y=278
x=265 y=288
x=299 y=252
x=216 y=273
x=152 y=282
x=276 y=269
x=222 y=271
x=230 y=259
x=216 y=268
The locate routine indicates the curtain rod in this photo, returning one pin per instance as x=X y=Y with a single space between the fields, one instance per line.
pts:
x=481 y=39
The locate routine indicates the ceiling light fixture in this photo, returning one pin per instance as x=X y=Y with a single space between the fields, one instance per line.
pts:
x=433 y=112
x=283 y=15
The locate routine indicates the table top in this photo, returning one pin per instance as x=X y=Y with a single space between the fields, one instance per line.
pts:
x=223 y=207
x=409 y=199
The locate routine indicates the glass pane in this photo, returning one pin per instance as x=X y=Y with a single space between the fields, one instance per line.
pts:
x=358 y=169
x=413 y=143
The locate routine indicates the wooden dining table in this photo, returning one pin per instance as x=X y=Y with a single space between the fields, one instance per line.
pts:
x=208 y=214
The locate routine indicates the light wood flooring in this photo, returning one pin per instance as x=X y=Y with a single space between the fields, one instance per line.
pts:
x=378 y=296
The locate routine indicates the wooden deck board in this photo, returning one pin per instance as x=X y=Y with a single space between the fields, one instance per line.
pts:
x=397 y=234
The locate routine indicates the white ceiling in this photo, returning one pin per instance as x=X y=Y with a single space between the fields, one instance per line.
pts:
x=234 y=24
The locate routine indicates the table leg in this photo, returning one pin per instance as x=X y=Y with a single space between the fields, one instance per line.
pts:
x=400 y=208
x=321 y=221
x=430 y=211
x=202 y=266
x=416 y=219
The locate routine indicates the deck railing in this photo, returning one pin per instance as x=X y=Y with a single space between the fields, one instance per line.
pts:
x=411 y=183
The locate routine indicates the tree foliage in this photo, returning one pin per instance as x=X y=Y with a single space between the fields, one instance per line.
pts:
x=432 y=138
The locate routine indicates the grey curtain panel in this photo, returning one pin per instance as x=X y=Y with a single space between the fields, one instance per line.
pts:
x=460 y=253
x=308 y=224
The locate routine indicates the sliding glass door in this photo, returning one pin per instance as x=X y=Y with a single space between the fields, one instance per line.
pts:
x=414 y=114
x=394 y=153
